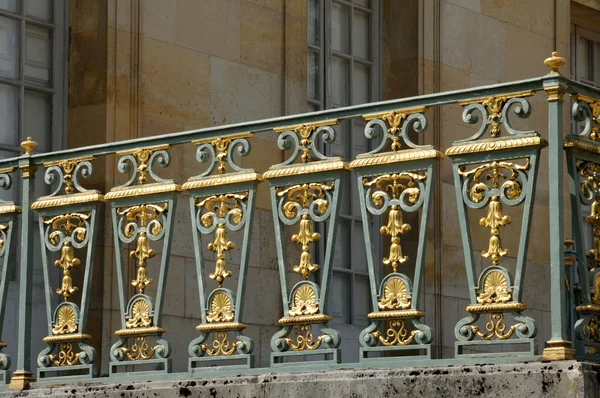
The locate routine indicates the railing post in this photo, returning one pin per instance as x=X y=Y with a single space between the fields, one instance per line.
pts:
x=22 y=377
x=560 y=345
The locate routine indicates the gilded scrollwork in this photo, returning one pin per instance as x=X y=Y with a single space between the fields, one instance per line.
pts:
x=69 y=231
x=495 y=111
x=221 y=345
x=221 y=211
x=587 y=109
x=589 y=174
x=393 y=189
x=66 y=356
x=66 y=173
x=302 y=203
x=305 y=340
x=140 y=349
x=396 y=334
x=395 y=126
x=146 y=222
x=506 y=184
x=592 y=329
x=219 y=152
x=301 y=139
x=495 y=328
x=142 y=161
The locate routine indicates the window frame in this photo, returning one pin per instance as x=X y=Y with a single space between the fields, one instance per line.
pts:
x=59 y=74
x=323 y=101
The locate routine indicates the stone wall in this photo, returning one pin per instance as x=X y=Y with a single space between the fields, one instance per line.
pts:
x=551 y=380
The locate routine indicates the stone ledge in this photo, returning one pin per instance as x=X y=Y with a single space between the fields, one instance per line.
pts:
x=551 y=379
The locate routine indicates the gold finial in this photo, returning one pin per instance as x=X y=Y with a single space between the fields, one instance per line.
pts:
x=554 y=63
x=29 y=145
x=569 y=244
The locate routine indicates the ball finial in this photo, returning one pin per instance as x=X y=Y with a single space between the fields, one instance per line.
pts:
x=554 y=63
x=29 y=146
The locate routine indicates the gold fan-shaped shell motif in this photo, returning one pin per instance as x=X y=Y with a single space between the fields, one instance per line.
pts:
x=220 y=309
x=495 y=290
x=305 y=301
x=140 y=315
x=395 y=296
x=66 y=322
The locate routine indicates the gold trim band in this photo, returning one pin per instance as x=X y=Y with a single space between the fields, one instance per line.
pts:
x=584 y=145
x=140 y=331
x=67 y=337
x=406 y=111
x=66 y=200
x=308 y=168
x=149 y=148
x=142 y=190
x=224 y=137
x=304 y=319
x=395 y=157
x=220 y=180
x=396 y=314
x=488 y=146
x=6 y=209
x=479 y=100
x=498 y=307
x=588 y=308
x=210 y=327
x=330 y=122
x=76 y=160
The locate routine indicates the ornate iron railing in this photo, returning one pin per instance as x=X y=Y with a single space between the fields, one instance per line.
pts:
x=494 y=169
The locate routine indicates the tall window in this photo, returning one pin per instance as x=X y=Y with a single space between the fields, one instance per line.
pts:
x=32 y=84
x=32 y=74
x=344 y=69
x=585 y=53
x=585 y=67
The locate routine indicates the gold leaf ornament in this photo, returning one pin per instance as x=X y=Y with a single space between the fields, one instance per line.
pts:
x=305 y=302
x=395 y=296
x=220 y=309
x=495 y=289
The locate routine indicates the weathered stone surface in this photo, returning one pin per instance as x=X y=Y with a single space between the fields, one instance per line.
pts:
x=559 y=379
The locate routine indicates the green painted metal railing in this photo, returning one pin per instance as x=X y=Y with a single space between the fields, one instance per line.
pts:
x=497 y=167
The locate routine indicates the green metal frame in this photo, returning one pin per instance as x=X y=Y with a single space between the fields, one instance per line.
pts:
x=8 y=217
x=583 y=165
x=241 y=196
x=512 y=184
x=58 y=237
x=414 y=167
x=321 y=183
x=160 y=227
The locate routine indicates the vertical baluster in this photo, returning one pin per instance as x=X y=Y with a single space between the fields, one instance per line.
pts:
x=142 y=213
x=68 y=220
x=490 y=173
x=560 y=345
x=391 y=183
x=22 y=377
x=302 y=194
x=221 y=202
x=583 y=163
x=8 y=215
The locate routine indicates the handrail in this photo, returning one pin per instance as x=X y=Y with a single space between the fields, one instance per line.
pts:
x=268 y=124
